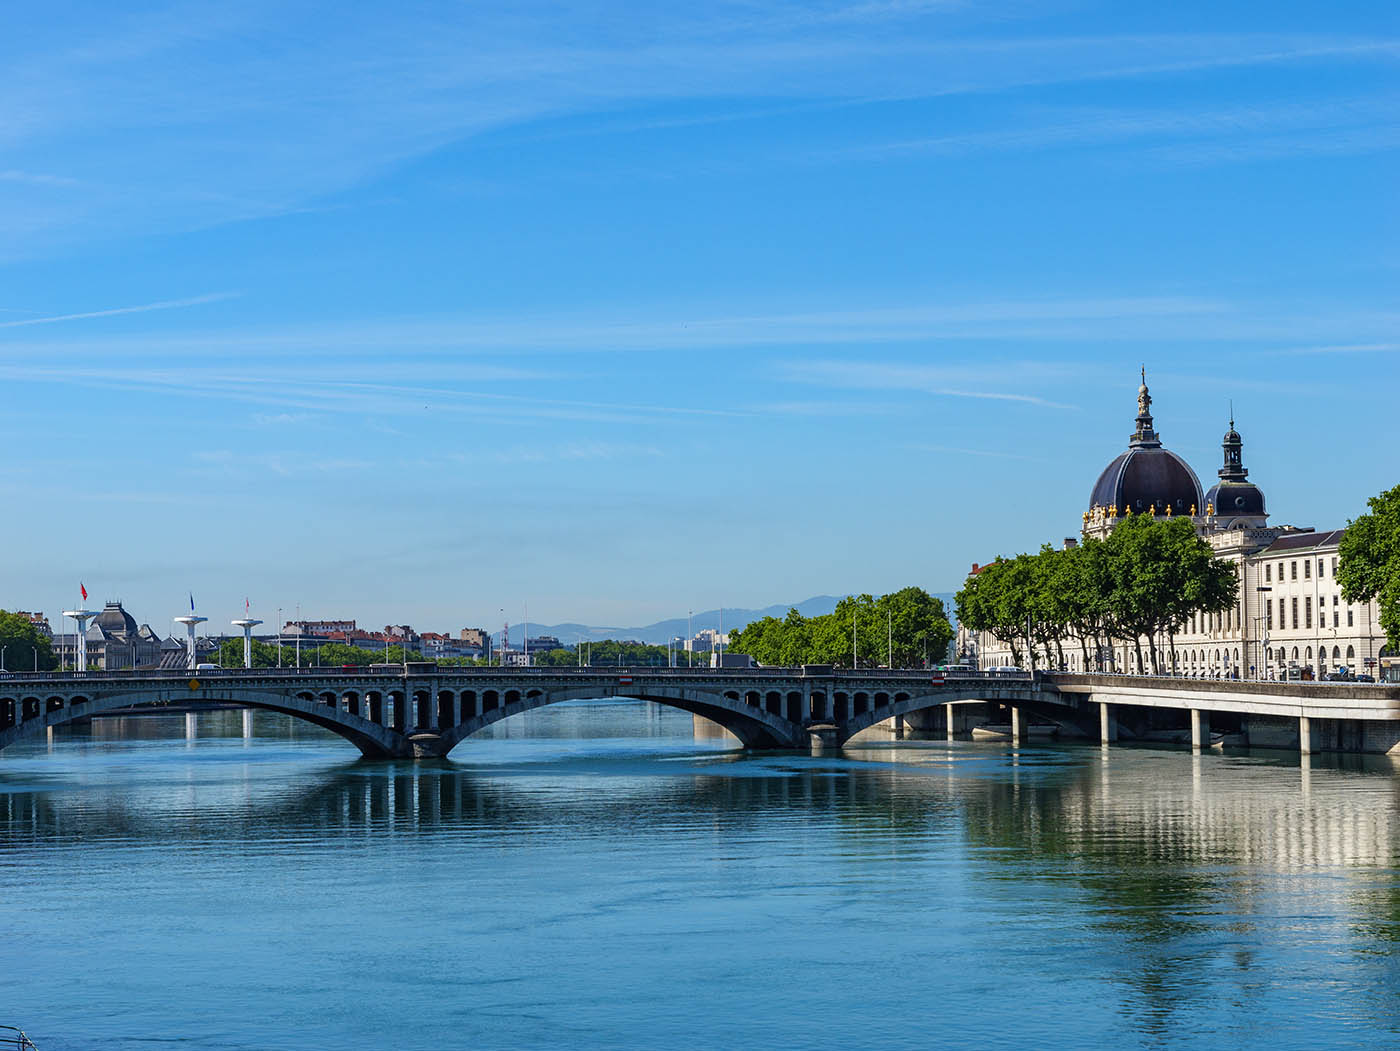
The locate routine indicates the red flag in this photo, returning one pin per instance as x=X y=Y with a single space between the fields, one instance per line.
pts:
x=83 y=588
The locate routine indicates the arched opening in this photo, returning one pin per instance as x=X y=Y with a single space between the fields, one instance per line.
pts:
x=422 y=709
x=352 y=703
x=446 y=708
x=466 y=705
x=53 y=704
x=816 y=706
x=490 y=701
x=773 y=703
x=794 y=705
x=512 y=697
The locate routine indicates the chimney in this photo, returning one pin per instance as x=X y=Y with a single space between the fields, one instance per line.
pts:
x=1070 y=542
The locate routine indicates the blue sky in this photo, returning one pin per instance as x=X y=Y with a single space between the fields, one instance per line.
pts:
x=414 y=312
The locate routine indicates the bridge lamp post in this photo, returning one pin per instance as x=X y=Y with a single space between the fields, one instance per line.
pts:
x=247 y=624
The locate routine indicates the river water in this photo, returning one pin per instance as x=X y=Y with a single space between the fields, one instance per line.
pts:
x=596 y=876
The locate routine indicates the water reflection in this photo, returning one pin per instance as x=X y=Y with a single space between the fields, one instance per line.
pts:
x=1072 y=894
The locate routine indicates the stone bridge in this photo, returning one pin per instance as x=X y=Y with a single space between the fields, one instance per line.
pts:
x=425 y=712
x=428 y=712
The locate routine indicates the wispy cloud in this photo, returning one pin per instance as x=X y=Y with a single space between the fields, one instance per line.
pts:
x=194 y=116
x=144 y=308
x=954 y=450
x=1003 y=383
x=1340 y=348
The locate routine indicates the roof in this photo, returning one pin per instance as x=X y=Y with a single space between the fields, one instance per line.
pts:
x=1305 y=541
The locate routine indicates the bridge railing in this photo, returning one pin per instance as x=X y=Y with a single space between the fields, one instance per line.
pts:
x=912 y=675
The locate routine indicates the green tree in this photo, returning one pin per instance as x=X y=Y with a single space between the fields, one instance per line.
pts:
x=1369 y=566
x=26 y=647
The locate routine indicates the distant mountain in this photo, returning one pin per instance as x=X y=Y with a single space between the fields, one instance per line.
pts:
x=664 y=630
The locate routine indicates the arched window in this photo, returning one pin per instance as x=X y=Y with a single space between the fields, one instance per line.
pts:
x=1237 y=656
x=1336 y=653
x=1295 y=653
x=1351 y=653
x=1308 y=656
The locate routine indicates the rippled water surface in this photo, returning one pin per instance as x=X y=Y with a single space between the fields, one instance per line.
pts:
x=596 y=876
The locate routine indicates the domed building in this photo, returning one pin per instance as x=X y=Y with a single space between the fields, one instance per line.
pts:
x=1147 y=479
x=1289 y=621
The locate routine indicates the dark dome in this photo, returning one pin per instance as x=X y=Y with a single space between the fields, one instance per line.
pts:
x=1148 y=475
x=114 y=620
x=1235 y=495
x=1236 y=498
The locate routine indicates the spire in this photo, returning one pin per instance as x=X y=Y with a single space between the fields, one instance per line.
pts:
x=1233 y=469
x=1144 y=435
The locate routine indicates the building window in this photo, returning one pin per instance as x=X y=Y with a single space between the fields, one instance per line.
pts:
x=1334 y=568
x=1295 y=610
x=1268 y=573
x=1320 y=568
x=1269 y=613
x=1307 y=570
x=1307 y=615
x=1350 y=621
x=1351 y=653
x=1293 y=570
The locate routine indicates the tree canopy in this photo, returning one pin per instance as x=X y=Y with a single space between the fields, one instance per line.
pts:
x=1369 y=566
x=1142 y=582
x=26 y=647
x=906 y=628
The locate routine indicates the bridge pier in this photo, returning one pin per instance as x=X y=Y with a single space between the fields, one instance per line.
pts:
x=948 y=708
x=1304 y=735
x=247 y=723
x=1200 y=729
x=1108 y=726
x=1018 y=724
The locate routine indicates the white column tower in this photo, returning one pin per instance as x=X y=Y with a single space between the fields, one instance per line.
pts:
x=247 y=624
x=82 y=616
x=189 y=622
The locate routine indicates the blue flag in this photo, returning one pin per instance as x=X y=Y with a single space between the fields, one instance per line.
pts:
x=191 y=601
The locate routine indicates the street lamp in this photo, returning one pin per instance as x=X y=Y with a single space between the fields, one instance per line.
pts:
x=1264 y=637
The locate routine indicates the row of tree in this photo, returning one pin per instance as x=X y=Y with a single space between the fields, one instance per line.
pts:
x=1141 y=583
x=904 y=629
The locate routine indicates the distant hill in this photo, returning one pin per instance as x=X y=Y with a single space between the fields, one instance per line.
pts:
x=664 y=630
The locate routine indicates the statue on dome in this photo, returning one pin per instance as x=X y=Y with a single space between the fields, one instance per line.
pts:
x=1210 y=510
x=1169 y=510
x=1112 y=510
x=1193 y=510
x=1144 y=399
x=1152 y=510
x=1127 y=512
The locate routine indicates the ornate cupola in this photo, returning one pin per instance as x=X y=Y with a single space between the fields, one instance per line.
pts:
x=1235 y=500
x=1146 y=479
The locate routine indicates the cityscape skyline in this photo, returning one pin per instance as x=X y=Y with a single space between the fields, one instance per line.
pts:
x=442 y=312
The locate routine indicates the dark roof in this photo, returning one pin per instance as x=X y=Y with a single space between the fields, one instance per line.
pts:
x=1146 y=475
x=1236 y=498
x=113 y=620
x=1304 y=541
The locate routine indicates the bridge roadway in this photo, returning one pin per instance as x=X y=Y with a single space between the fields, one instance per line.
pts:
x=426 y=712
x=389 y=713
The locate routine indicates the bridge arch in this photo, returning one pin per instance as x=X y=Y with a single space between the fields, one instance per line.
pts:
x=372 y=740
x=749 y=722
x=904 y=704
